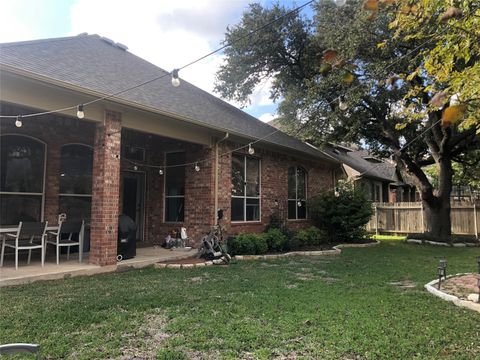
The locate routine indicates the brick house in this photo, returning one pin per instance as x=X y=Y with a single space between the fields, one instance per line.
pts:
x=165 y=156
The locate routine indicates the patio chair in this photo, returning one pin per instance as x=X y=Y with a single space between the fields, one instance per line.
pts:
x=64 y=237
x=29 y=236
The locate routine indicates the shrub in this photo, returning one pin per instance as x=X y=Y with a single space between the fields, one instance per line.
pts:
x=275 y=239
x=342 y=217
x=241 y=245
x=300 y=239
x=261 y=246
x=315 y=236
x=248 y=244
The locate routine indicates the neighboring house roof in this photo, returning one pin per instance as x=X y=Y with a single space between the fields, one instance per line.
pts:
x=363 y=162
x=97 y=64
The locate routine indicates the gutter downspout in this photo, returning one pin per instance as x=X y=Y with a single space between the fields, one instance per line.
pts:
x=216 y=176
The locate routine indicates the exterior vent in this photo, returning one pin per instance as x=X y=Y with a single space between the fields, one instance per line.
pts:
x=121 y=46
x=108 y=41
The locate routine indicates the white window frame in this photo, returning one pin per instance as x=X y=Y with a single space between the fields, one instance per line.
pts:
x=297 y=199
x=245 y=197
x=165 y=196
x=42 y=194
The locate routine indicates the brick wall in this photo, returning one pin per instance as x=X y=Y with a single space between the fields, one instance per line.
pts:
x=55 y=131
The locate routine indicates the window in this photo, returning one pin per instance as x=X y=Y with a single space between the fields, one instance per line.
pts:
x=245 y=188
x=174 y=187
x=76 y=165
x=297 y=193
x=22 y=169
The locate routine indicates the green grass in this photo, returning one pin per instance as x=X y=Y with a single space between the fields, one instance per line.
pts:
x=320 y=307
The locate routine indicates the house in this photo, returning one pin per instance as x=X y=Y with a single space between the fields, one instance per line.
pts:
x=168 y=157
x=380 y=178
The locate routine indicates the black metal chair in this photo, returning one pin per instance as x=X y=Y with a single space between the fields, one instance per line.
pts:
x=29 y=236
x=64 y=237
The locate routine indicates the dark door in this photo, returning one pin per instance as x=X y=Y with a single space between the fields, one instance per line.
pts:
x=134 y=198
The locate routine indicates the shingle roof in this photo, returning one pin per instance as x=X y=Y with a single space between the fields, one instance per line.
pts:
x=96 y=64
x=356 y=159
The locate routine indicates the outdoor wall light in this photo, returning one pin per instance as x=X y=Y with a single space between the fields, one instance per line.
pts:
x=251 y=150
x=18 y=122
x=197 y=168
x=80 y=113
x=175 y=79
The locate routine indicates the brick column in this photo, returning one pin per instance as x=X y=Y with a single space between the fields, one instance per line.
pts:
x=106 y=190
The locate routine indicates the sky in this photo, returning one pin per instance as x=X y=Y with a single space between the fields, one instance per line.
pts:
x=168 y=33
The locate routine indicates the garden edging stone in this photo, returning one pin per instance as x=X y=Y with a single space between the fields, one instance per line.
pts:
x=431 y=287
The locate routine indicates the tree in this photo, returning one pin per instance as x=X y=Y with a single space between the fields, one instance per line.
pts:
x=355 y=53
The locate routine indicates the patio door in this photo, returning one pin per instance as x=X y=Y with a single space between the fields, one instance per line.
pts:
x=134 y=199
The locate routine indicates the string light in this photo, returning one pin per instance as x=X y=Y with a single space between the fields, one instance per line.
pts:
x=135 y=168
x=18 y=122
x=175 y=79
x=160 y=172
x=455 y=100
x=299 y=203
x=80 y=113
x=197 y=168
x=342 y=105
x=251 y=150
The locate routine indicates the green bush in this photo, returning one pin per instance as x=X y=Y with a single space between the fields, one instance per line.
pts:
x=275 y=240
x=242 y=244
x=261 y=246
x=248 y=244
x=300 y=239
x=342 y=217
x=315 y=237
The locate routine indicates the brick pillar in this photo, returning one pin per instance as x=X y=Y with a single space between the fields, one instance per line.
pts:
x=106 y=190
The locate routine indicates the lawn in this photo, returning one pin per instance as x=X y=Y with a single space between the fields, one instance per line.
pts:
x=364 y=304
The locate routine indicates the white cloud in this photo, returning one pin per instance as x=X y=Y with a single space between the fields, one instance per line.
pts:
x=12 y=24
x=169 y=34
x=268 y=117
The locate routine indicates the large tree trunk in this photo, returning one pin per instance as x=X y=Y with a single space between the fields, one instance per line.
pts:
x=437 y=204
x=437 y=218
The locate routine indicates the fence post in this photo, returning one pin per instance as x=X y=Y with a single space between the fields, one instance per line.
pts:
x=475 y=225
x=422 y=213
x=376 y=220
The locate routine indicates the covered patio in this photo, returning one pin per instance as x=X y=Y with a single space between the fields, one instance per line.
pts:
x=69 y=268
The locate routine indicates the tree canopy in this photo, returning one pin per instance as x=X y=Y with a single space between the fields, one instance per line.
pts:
x=399 y=79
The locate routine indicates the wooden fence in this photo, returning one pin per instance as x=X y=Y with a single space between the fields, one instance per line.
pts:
x=408 y=217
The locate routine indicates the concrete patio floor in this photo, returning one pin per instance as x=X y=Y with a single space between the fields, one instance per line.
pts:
x=69 y=268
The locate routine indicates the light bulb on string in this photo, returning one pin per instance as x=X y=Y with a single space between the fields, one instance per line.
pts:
x=135 y=168
x=197 y=168
x=342 y=105
x=18 y=122
x=160 y=172
x=80 y=113
x=175 y=79
x=251 y=150
x=299 y=203
x=455 y=100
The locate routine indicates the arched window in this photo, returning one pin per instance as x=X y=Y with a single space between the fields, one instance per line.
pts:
x=22 y=172
x=297 y=193
x=76 y=165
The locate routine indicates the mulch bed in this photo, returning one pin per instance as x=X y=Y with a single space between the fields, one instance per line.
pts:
x=461 y=286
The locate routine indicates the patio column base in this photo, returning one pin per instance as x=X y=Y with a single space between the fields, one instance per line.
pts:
x=106 y=190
